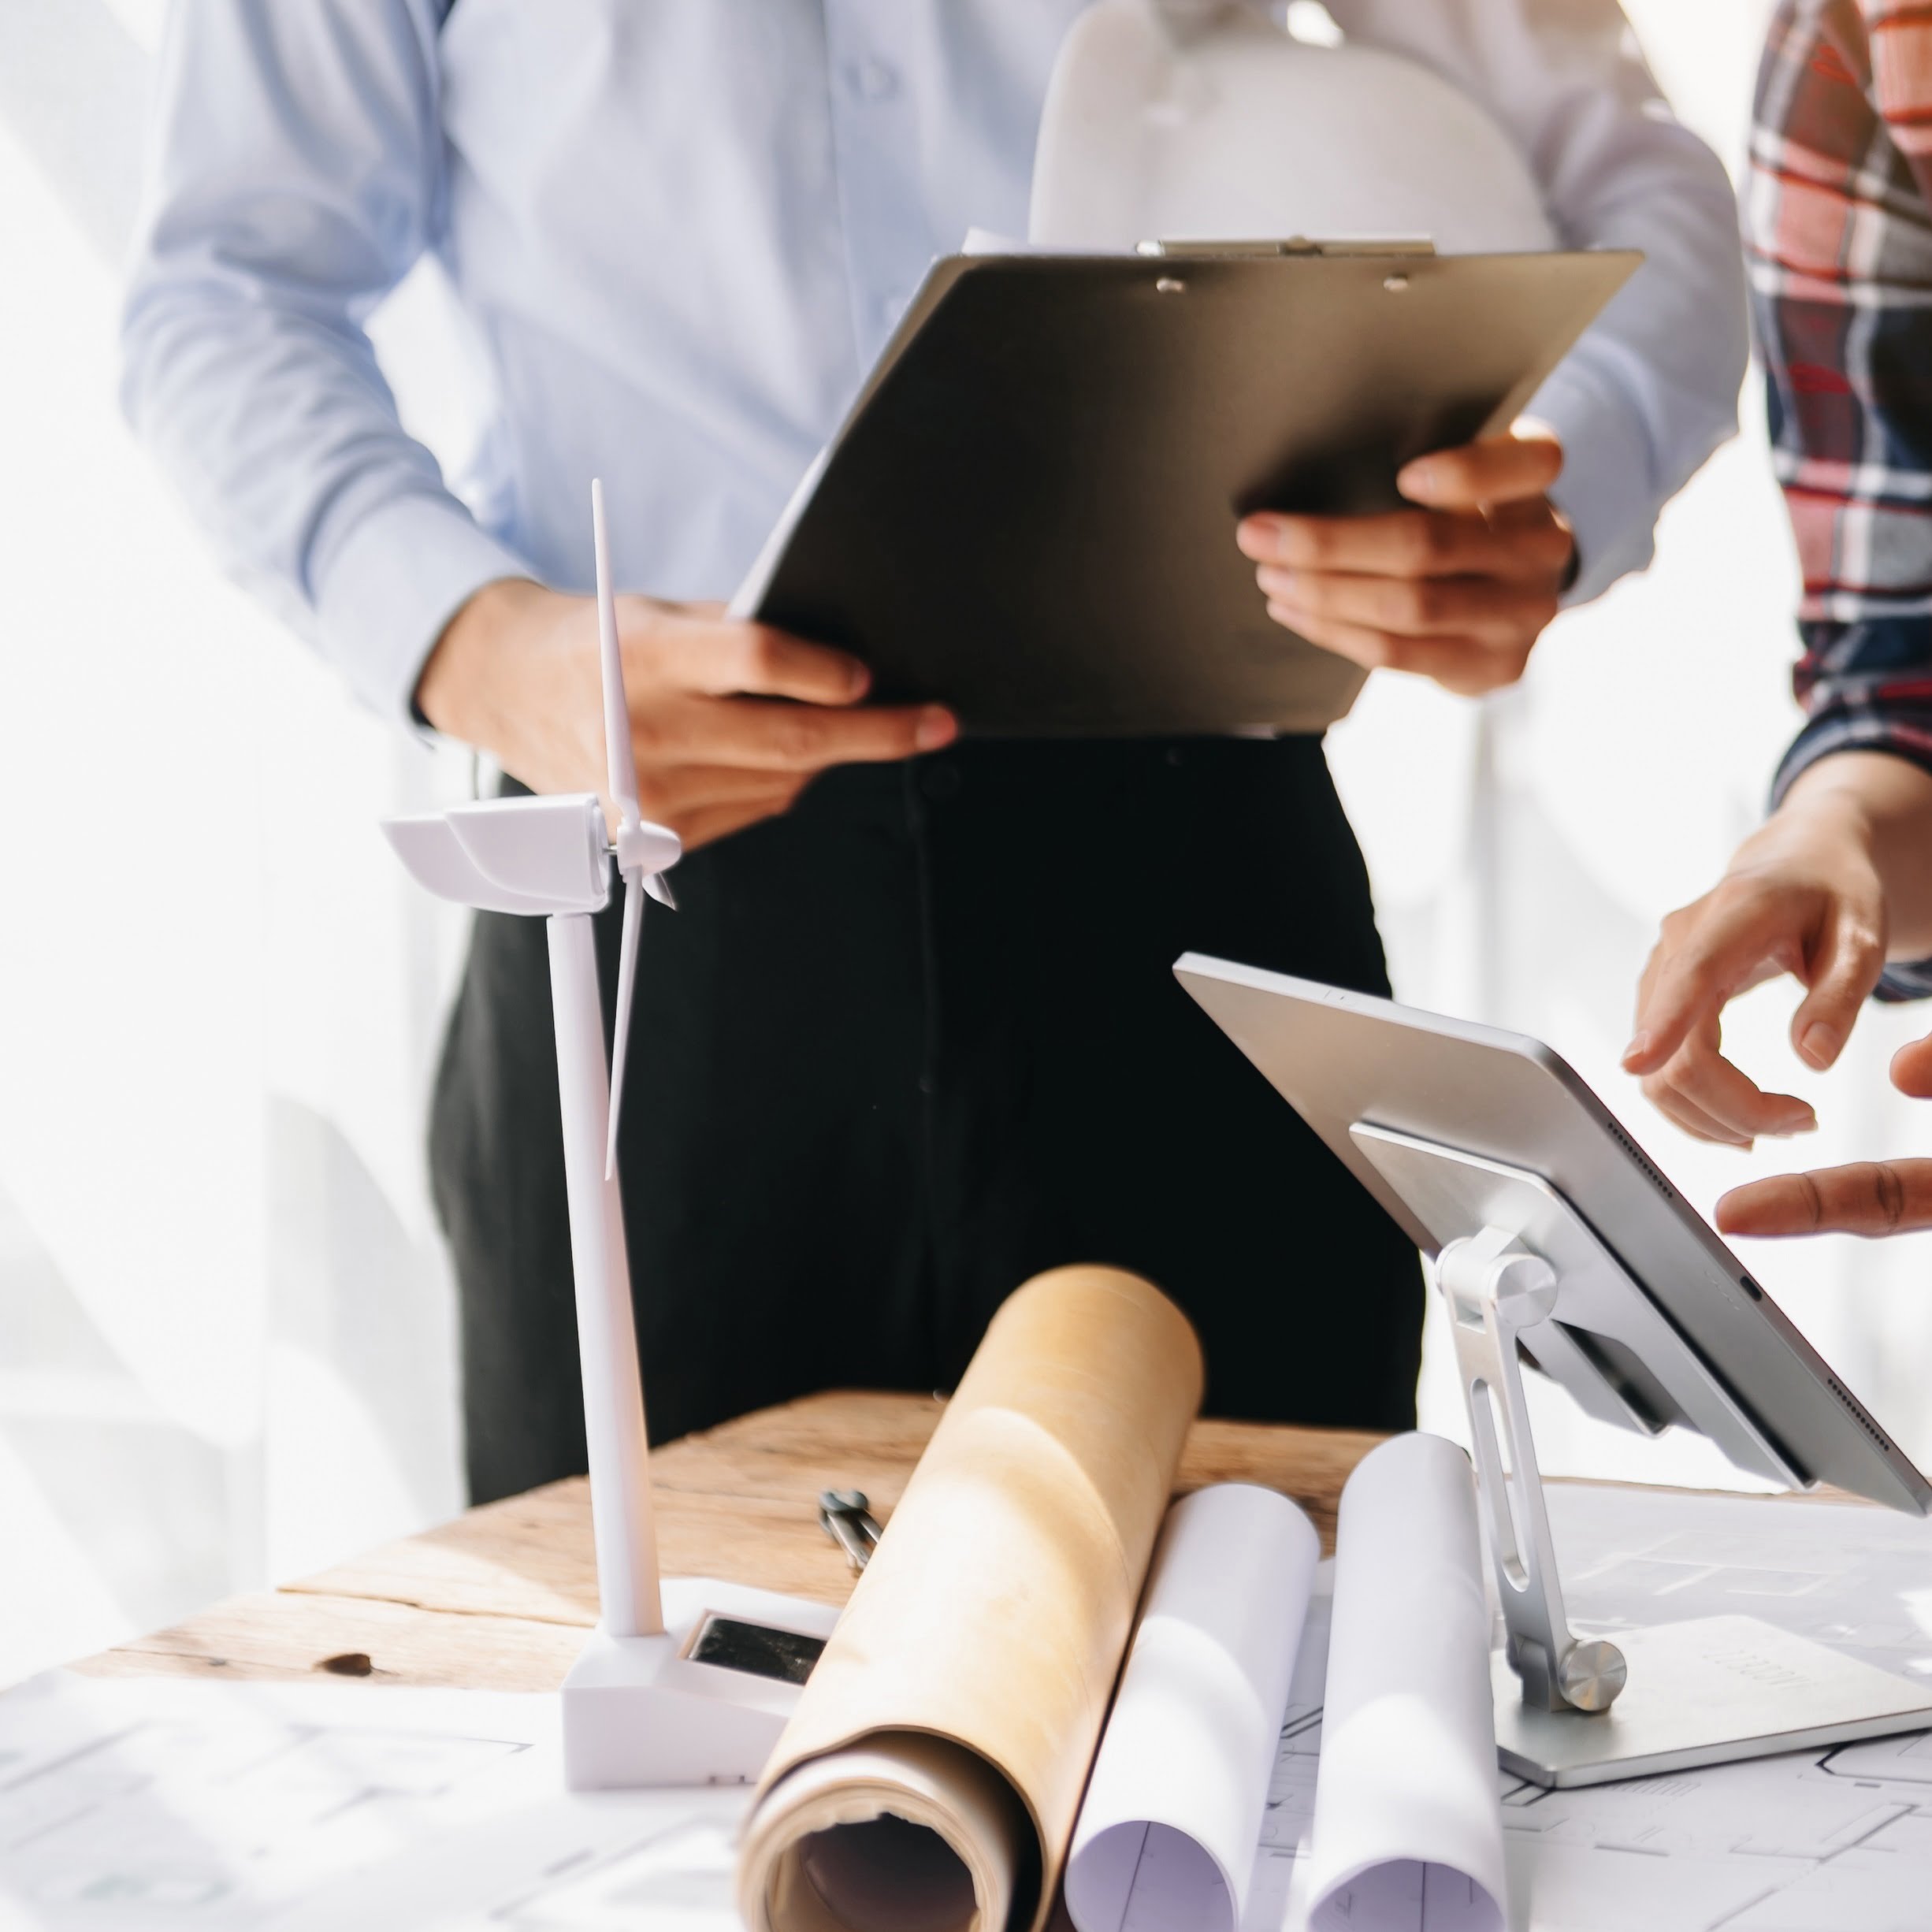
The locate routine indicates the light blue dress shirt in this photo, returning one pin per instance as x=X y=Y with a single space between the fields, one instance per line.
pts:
x=683 y=228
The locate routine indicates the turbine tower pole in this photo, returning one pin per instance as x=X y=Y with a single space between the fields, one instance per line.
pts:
x=606 y=1329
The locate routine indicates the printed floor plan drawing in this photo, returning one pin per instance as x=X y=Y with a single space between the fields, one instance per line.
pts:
x=128 y=1804
x=1836 y=1840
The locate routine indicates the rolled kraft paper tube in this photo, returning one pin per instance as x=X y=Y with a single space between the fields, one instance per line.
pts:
x=930 y=1778
x=1167 y=1832
x=1408 y=1828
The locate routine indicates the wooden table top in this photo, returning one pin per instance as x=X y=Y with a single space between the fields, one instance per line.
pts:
x=500 y=1598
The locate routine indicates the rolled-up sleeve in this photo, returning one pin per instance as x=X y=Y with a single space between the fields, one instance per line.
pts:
x=296 y=177
x=1838 y=225
x=1651 y=389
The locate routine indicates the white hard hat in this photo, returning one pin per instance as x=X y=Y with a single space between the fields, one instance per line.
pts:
x=1179 y=120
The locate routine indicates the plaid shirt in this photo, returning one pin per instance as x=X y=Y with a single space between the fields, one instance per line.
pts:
x=1838 y=230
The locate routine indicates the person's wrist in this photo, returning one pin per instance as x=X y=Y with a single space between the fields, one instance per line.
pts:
x=1883 y=801
x=1882 y=786
x=456 y=690
x=1840 y=796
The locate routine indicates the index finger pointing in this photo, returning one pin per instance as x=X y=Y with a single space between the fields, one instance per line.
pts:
x=1869 y=1197
x=1788 y=1204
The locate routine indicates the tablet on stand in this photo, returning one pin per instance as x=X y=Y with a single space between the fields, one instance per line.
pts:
x=1555 y=1243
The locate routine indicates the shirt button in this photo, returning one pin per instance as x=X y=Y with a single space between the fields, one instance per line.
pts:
x=940 y=781
x=874 y=79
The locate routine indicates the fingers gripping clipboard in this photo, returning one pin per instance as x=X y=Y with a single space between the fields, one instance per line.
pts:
x=1028 y=514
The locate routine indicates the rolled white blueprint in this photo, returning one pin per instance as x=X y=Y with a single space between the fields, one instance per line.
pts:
x=1173 y=1811
x=1408 y=1826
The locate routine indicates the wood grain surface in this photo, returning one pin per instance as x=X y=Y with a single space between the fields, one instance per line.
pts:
x=501 y=1598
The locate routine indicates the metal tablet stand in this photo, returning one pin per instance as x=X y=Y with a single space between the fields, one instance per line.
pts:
x=1521 y=1273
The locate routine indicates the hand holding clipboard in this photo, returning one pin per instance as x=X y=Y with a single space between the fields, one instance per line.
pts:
x=1026 y=515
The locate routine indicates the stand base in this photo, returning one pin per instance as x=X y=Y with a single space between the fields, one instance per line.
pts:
x=1709 y=1691
x=704 y=1703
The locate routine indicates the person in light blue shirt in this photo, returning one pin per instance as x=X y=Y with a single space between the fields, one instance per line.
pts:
x=912 y=1035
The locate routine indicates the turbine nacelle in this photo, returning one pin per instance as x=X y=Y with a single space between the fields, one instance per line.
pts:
x=533 y=856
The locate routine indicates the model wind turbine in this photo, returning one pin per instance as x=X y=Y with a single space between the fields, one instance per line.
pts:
x=688 y=1680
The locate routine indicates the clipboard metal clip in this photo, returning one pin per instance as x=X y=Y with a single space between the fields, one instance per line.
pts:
x=1409 y=246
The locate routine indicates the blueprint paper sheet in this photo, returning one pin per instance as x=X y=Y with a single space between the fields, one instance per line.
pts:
x=211 y=1807
x=1830 y=1841
x=129 y=1804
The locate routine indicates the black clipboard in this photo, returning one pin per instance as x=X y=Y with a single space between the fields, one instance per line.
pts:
x=1028 y=514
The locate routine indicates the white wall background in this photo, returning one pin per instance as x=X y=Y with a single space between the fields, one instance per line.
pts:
x=1525 y=851
x=226 y=1323
x=226 y=1332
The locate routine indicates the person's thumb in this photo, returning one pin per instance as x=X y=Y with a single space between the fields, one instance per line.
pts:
x=1911 y=1069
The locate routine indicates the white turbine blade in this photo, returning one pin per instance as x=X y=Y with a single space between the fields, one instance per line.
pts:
x=623 y=765
x=657 y=885
x=626 y=992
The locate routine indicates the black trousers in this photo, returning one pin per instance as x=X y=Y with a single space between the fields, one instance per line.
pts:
x=906 y=1047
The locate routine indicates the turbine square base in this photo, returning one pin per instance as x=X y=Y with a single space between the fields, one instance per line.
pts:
x=643 y=1711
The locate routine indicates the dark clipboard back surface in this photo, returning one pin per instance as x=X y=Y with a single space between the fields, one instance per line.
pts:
x=1029 y=514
